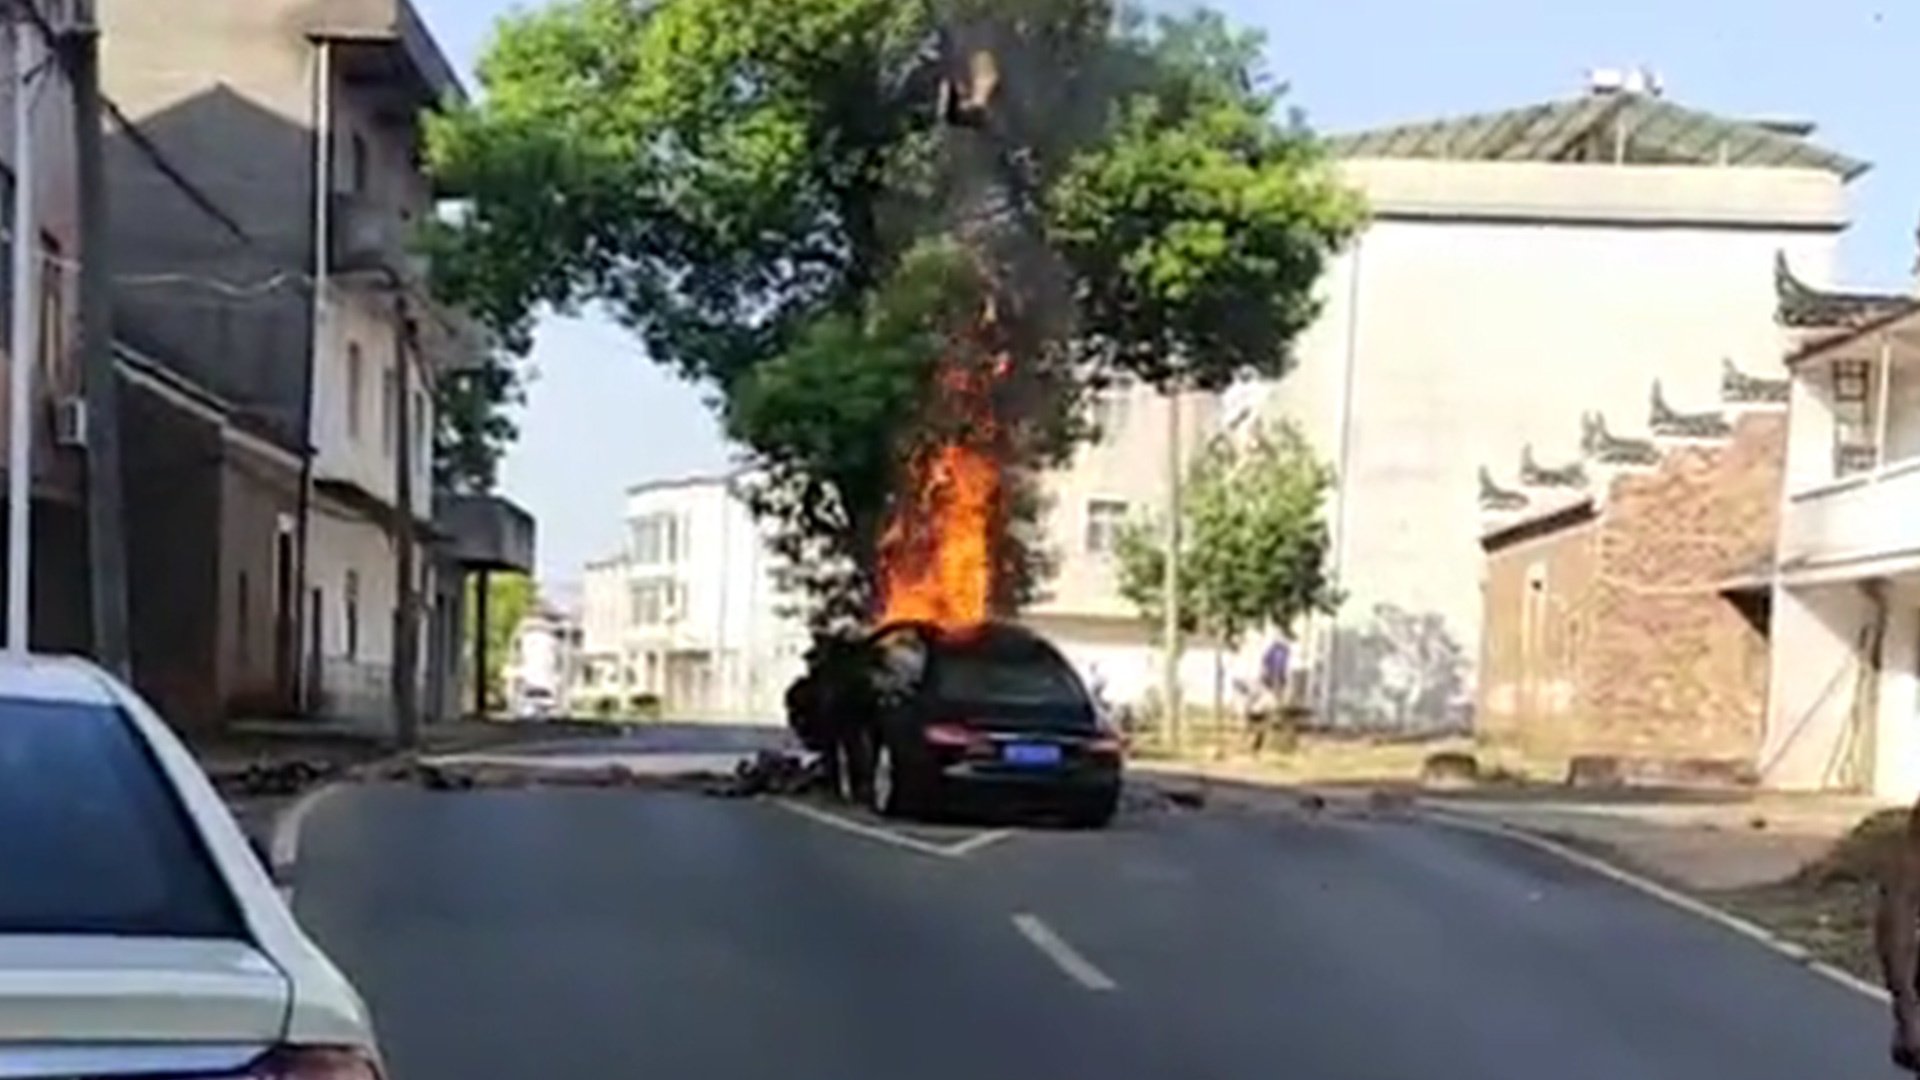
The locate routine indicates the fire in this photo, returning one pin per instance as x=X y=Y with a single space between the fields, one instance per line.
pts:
x=937 y=553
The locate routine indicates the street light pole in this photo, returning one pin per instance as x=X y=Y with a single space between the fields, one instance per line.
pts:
x=24 y=342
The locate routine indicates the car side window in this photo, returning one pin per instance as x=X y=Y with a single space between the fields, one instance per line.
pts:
x=93 y=839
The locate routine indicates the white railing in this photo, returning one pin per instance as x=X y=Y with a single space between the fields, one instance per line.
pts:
x=1864 y=516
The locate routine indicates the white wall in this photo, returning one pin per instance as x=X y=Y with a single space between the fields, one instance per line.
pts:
x=1813 y=683
x=1475 y=336
x=362 y=452
x=355 y=665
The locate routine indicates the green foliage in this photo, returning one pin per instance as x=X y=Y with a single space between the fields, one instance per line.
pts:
x=1253 y=540
x=510 y=598
x=766 y=192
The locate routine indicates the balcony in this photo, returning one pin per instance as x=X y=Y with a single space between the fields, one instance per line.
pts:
x=1858 y=522
x=485 y=532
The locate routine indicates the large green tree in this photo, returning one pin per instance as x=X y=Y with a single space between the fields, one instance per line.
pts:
x=802 y=204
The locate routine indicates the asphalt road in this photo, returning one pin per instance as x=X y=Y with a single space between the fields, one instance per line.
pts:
x=510 y=935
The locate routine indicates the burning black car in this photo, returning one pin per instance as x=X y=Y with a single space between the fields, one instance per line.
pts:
x=990 y=715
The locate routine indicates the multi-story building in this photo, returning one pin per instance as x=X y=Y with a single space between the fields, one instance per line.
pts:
x=1521 y=269
x=1119 y=477
x=1844 y=693
x=690 y=612
x=269 y=262
x=275 y=164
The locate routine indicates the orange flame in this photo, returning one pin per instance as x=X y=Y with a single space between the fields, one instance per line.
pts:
x=937 y=552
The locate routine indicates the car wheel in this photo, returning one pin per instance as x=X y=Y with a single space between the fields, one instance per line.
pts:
x=1096 y=812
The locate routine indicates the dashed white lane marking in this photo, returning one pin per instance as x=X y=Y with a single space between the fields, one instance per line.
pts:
x=1063 y=955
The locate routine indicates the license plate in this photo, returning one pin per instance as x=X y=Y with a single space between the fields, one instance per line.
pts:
x=1030 y=754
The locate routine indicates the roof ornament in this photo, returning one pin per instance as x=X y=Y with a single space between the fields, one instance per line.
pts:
x=1603 y=446
x=1495 y=497
x=1739 y=388
x=1533 y=474
x=1666 y=420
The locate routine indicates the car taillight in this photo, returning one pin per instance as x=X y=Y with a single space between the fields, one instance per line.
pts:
x=1112 y=745
x=310 y=1063
x=953 y=735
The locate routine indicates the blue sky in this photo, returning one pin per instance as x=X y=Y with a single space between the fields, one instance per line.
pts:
x=601 y=417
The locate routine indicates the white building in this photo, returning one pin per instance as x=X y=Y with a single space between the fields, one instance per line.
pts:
x=1121 y=476
x=1844 y=686
x=1521 y=269
x=689 y=612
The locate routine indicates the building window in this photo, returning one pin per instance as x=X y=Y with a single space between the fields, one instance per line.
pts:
x=1853 y=417
x=53 y=310
x=1105 y=518
x=659 y=539
x=242 y=624
x=389 y=410
x=350 y=613
x=356 y=389
x=422 y=433
x=358 y=168
x=1110 y=413
x=656 y=602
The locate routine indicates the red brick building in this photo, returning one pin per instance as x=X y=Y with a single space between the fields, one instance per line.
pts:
x=1626 y=594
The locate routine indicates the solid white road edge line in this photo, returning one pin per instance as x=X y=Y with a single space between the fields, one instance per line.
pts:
x=975 y=842
x=283 y=847
x=862 y=829
x=1752 y=931
x=1063 y=955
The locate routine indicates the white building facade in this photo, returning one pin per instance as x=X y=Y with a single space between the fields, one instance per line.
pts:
x=1844 y=686
x=1519 y=271
x=689 y=614
x=1118 y=478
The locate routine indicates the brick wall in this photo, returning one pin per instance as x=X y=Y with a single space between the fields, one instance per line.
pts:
x=1631 y=647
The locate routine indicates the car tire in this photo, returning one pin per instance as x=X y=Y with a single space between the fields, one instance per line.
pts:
x=1096 y=812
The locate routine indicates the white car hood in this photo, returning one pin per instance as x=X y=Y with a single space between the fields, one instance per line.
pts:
x=158 y=990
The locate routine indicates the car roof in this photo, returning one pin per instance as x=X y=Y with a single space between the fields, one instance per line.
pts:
x=44 y=677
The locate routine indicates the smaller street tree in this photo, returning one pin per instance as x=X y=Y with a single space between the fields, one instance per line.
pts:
x=1254 y=542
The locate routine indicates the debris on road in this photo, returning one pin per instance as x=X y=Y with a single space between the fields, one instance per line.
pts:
x=771 y=772
x=271 y=778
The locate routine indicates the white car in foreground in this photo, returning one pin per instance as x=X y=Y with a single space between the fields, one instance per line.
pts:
x=140 y=933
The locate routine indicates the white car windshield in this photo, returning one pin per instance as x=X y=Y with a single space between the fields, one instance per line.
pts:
x=93 y=839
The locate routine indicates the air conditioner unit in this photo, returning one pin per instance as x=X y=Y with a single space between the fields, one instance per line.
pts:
x=70 y=422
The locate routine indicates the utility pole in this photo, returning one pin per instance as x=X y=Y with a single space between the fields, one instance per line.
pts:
x=106 y=519
x=406 y=641
x=25 y=340
x=1170 y=580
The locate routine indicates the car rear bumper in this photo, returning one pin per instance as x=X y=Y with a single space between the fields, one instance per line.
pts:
x=1000 y=784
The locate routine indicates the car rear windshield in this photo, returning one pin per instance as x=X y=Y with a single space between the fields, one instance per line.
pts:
x=1020 y=681
x=93 y=839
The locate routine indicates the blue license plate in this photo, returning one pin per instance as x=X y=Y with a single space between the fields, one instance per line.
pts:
x=1030 y=754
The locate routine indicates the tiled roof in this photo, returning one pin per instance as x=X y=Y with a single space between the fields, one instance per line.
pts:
x=1640 y=128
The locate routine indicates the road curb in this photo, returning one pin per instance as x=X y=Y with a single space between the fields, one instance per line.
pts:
x=1648 y=887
